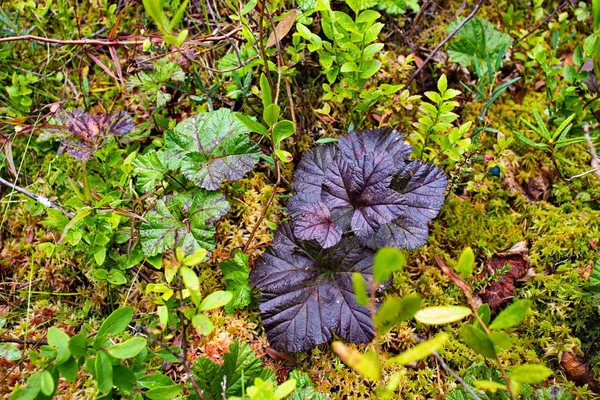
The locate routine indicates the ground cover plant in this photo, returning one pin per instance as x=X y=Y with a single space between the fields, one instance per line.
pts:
x=273 y=199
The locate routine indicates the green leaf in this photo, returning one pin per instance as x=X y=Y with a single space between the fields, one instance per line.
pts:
x=489 y=386
x=283 y=130
x=360 y=289
x=104 y=372
x=564 y=126
x=265 y=91
x=421 y=351
x=530 y=373
x=501 y=339
x=128 y=349
x=541 y=130
x=213 y=147
x=195 y=258
x=215 y=300
x=252 y=124
x=359 y=5
x=163 y=392
x=46 y=383
x=202 y=324
x=284 y=156
x=59 y=340
x=387 y=260
x=395 y=310
x=124 y=378
x=477 y=38
x=69 y=369
x=186 y=220
x=116 y=323
x=367 y=365
x=512 y=315
x=271 y=114
x=154 y=380
x=285 y=389
x=192 y=283
x=529 y=142
x=155 y=11
x=236 y=273
x=466 y=263
x=178 y=15
x=476 y=339
x=150 y=168
x=78 y=345
x=369 y=68
x=442 y=314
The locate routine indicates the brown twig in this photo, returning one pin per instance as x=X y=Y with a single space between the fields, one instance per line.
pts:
x=466 y=288
x=545 y=21
x=263 y=53
x=27 y=342
x=443 y=42
x=97 y=42
x=413 y=25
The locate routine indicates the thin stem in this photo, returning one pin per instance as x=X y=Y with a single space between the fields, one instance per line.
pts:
x=87 y=192
x=40 y=199
x=27 y=342
x=449 y=370
x=184 y=345
x=443 y=42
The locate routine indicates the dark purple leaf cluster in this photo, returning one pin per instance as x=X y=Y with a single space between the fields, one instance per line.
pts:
x=351 y=200
x=307 y=294
x=84 y=133
x=369 y=186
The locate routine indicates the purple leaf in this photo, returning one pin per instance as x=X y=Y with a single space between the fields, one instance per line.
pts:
x=310 y=172
x=307 y=293
x=84 y=133
x=423 y=187
x=402 y=233
x=360 y=143
x=314 y=222
x=358 y=196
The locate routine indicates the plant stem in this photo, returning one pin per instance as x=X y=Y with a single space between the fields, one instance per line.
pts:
x=86 y=184
x=41 y=199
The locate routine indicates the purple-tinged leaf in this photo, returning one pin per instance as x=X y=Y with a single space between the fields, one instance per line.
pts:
x=314 y=222
x=402 y=233
x=211 y=148
x=84 y=133
x=423 y=187
x=357 y=194
x=307 y=293
x=310 y=172
x=357 y=144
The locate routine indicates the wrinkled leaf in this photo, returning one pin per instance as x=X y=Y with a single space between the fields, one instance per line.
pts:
x=307 y=293
x=185 y=220
x=211 y=148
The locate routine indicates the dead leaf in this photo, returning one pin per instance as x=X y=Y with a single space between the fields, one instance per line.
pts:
x=502 y=288
x=282 y=28
x=285 y=358
x=9 y=158
x=578 y=370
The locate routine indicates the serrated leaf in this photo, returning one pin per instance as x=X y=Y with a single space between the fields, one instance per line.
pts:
x=150 y=168
x=441 y=315
x=236 y=273
x=420 y=351
x=213 y=147
x=186 y=220
x=307 y=294
x=313 y=221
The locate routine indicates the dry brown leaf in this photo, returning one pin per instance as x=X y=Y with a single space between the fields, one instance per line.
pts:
x=578 y=370
x=282 y=28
